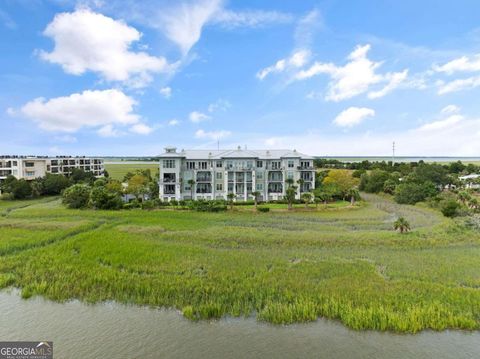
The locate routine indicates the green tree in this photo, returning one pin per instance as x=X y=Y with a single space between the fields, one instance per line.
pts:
x=21 y=189
x=411 y=193
x=76 y=196
x=401 y=225
x=137 y=185
x=374 y=182
x=307 y=198
x=354 y=195
x=256 y=195
x=290 y=194
x=78 y=175
x=289 y=182
x=231 y=197
x=191 y=183
x=54 y=184
x=102 y=198
x=342 y=179
x=449 y=208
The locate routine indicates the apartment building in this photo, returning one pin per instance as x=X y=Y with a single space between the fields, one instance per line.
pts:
x=31 y=167
x=213 y=174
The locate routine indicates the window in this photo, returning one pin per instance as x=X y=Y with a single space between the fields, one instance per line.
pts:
x=29 y=164
x=203 y=165
x=219 y=187
x=15 y=164
x=204 y=188
x=259 y=175
x=305 y=164
x=290 y=174
x=30 y=173
x=229 y=164
x=291 y=163
x=275 y=165
x=259 y=186
x=169 y=189
x=249 y=164
x=219 y=164
x=190 y=165
x=168 y=163
x=259 y=164
x=219 y=175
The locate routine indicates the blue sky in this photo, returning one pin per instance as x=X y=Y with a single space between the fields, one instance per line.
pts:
x=326 y=77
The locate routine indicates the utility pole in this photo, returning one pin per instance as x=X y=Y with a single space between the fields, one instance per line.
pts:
x=393 y=154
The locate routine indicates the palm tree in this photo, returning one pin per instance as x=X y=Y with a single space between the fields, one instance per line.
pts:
x=256 y=195
x=289 y=182
x=300 y=182
x=290 y=194
x=353 y=194
x=464 y=197
x=191 y=182
x=401 y=225
x=231 y=197
x=307 y=197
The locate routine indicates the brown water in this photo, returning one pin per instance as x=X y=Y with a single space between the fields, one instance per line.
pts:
x=111 y=330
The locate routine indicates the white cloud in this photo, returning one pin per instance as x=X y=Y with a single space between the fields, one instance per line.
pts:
x=306 y=28
x=249 y=18
x=108 y=131
x=296 y=60
x=441 y=124
x=461 y=64
x=196 y=117
x=213 y=135
x=87 y=109
x=183 y=23
x=166 y=92
x=450 y=109
x=88 y=41
x=355 y=77
x=219 y=106
x=173 y=122
x=395 y=79
x=353 y=116
x=141 y=129
x=458 y=85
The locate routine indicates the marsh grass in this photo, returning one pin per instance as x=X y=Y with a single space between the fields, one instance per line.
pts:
x=345 y=264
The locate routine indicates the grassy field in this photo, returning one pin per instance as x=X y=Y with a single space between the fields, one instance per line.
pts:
x=283 y=267
x=119 y=170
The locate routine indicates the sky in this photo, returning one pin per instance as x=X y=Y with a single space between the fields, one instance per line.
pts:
x=327 y=78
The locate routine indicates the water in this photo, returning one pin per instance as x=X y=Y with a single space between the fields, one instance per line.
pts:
x=111 y=330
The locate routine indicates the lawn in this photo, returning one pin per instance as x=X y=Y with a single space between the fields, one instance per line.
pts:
x=282 y=267
x=119 y=170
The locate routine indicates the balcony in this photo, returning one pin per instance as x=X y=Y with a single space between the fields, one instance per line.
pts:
x=204 y=177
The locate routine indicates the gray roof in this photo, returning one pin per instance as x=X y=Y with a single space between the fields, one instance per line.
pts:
x=238 y=153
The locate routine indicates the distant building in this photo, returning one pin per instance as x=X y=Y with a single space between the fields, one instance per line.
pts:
x=30 y=167
x=471 y=181
x=213 y=174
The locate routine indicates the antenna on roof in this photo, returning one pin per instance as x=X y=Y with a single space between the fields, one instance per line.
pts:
x=393 y=153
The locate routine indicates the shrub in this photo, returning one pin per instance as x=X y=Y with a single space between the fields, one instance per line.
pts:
x=263 y=209
x=54 y=184
x=102 y=198
x=76 y=196
x=449 y=208
x=411 y=193
x=7 y=197
x=208 y=206
x=148 y=204
x=132 y=204
x=374 y=182
x=21 y=189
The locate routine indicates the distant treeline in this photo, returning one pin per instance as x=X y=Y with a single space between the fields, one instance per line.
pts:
x=402 y=167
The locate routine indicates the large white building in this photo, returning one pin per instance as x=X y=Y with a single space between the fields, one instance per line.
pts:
x=213 y=174
x=31 y=167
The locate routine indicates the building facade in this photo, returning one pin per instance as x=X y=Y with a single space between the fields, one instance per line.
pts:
x=213 y=174
x=30 y=167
